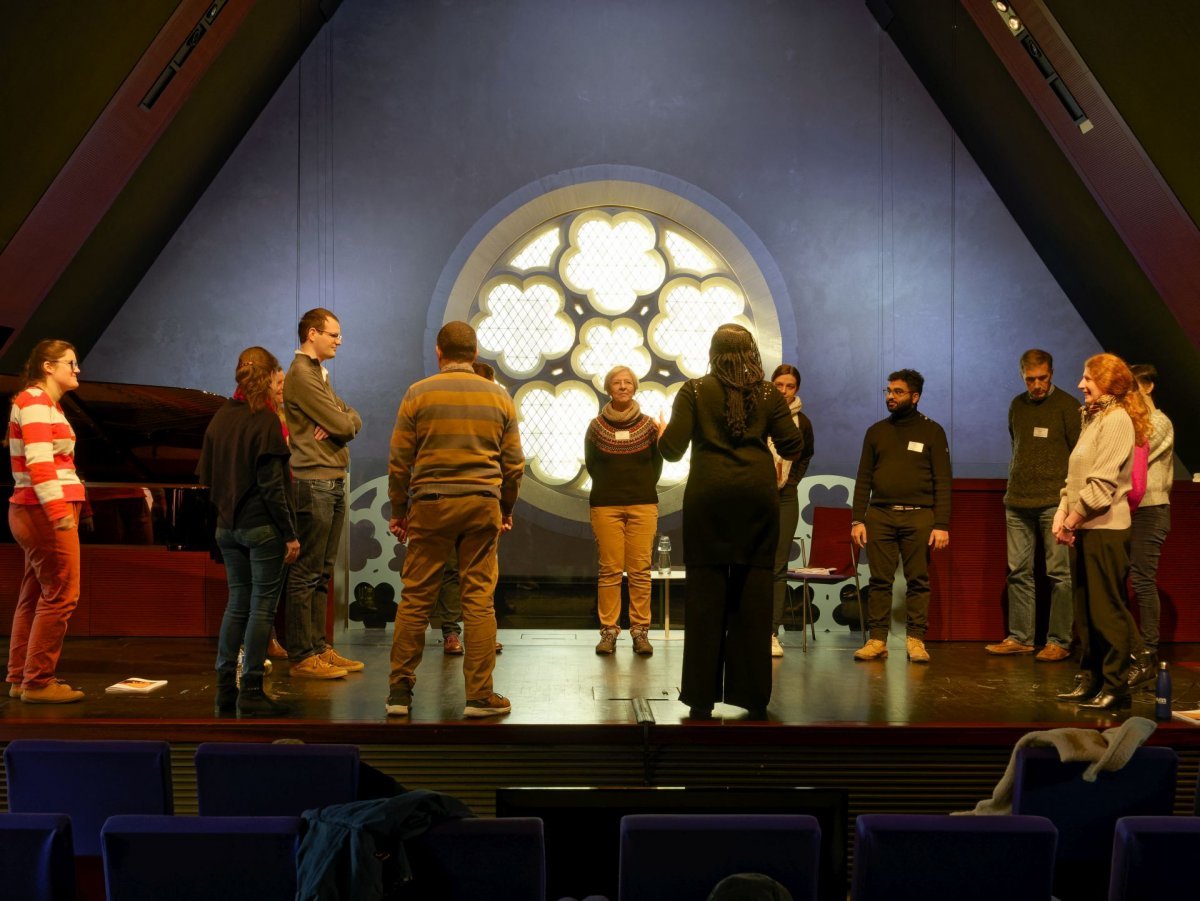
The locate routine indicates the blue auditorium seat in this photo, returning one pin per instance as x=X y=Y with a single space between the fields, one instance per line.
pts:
x=258 y=779
x=916 y=857
x=686 y=855
x=501 y=859
x=1085 y=813
x=37 y=861
x=200 y=858
x=1153 y=857
x=89 y=781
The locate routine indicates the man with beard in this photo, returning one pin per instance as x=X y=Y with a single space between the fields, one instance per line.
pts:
x=901 y=510
x=1043 y=423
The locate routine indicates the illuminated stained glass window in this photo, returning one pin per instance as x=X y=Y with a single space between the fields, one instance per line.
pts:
x=587 y=291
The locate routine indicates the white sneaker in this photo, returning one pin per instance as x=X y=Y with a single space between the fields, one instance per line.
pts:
x=776 y=647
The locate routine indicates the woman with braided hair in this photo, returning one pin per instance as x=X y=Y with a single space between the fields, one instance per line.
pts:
x=244 y=461
x=730 y=522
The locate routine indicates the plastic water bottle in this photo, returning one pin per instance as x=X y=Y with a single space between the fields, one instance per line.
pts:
x=1162 y=693
x=664 y=553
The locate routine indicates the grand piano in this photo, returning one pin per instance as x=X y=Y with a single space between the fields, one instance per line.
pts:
x=146 y=568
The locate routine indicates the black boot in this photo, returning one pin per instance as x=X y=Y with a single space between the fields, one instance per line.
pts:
x=1107 y=700
x=1144 y=668
x=253 y=701
x=227 y=693
x=1086 y=686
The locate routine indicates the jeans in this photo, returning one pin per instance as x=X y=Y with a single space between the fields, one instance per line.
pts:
x=320 y=517
x=254 y=568
x=1150 y=528
x=789 y=518
x=48 y=596
x=1024 y=526
x=625 y=543
x=447 y=612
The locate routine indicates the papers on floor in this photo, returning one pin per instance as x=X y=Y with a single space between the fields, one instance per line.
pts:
x=1188 y=716
x=135 y=686
x=812 y=571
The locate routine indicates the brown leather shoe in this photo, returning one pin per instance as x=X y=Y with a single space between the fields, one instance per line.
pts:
x=1009 y=646
x=1052 y=653
x=608 y=640
x=14 y=689
x=275 y=649
x=452 y=645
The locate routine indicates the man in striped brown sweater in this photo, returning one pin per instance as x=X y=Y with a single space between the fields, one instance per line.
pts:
x=453 y=475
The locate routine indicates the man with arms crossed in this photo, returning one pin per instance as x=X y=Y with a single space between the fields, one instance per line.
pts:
x=320 y=425
x=1044 y=424
x=454 y=471
x=901 y=510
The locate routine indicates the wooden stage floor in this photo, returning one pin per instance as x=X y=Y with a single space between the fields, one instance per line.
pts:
x=558 y=684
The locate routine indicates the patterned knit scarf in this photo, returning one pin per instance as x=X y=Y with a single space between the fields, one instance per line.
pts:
x=620 y=418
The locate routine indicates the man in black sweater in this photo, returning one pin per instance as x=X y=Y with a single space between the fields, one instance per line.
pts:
x=1044 y=424
x=901 y=510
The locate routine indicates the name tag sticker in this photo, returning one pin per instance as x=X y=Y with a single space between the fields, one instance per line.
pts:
x=916 y=446
x=621 y=434
x=1040 y=432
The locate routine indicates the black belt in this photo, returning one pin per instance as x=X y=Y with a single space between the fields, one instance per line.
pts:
x=442 y=497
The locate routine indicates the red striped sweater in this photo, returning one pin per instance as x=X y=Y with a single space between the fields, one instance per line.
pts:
x=41 y=444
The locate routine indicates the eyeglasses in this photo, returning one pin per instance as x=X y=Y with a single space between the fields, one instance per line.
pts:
x=336 y=336
x=896 y=392
x=72 y=363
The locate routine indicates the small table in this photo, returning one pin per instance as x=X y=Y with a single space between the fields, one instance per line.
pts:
x=675 y=573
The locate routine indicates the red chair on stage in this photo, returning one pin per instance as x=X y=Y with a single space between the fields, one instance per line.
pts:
x=834 y=551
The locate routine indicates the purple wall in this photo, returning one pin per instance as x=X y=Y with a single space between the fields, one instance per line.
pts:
x=405 y=123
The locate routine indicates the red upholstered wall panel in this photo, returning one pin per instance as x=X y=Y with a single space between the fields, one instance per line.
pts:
x=152 y=591
x=143 y=591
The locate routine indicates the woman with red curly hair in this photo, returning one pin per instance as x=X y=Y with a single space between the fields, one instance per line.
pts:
x=1093 y=518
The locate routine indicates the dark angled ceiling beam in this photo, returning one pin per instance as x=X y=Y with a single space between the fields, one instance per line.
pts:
x=1108 y=158
x=109 y=154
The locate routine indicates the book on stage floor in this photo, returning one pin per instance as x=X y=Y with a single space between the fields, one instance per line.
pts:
x=1188 y=716
x=136 y=686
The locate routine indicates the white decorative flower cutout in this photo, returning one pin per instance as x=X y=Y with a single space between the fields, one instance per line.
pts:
x=612 y=259
x=603 y=345
x=521 y=324
x=686 y=255
x=539 y=252
x=690 y=311
x=553 y=422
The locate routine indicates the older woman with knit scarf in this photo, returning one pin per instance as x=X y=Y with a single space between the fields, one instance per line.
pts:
x=1093 y=519
x=730 y=522
x=621 y=455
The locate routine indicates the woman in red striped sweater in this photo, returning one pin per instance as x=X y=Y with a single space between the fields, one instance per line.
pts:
x=44 y=518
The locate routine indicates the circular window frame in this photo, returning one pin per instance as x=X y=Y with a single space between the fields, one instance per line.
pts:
x=610 y=186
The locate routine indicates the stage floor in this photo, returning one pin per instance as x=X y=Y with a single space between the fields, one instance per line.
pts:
x=554 y=679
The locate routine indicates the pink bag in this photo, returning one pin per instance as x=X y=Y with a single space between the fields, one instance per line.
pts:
x=1141 y=459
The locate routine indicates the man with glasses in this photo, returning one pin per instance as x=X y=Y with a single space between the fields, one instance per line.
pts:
x=320 y=425
x=901 y=511
x=1043 y=424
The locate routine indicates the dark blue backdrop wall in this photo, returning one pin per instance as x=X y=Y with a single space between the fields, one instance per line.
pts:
x=405 y=123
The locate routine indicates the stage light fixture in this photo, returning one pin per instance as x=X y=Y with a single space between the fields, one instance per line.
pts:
x=1046 y=68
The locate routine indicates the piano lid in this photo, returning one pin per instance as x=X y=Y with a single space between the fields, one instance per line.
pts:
x=139 y=434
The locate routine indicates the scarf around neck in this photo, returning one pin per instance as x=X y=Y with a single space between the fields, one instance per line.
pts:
x=629 y=415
